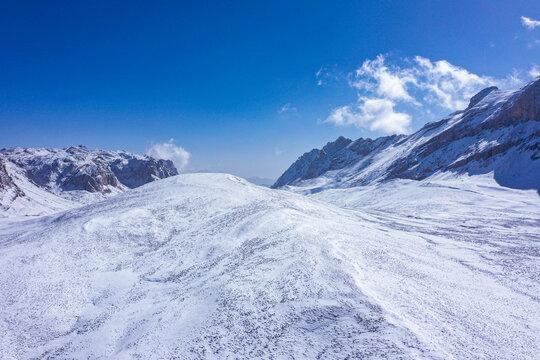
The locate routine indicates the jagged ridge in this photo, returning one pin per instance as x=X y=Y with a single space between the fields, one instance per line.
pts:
x=75 y=173
x=498 y=132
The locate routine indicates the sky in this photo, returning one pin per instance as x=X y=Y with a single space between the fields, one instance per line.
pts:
x=246 y=87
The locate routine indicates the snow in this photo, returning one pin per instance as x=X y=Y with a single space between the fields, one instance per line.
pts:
x=500 y=129
x=211 y=266
x=36 y=201
x=50 y=180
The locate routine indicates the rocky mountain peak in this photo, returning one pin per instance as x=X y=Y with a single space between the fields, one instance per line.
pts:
x=480 y=95
x=502 y=137
x=77 y=173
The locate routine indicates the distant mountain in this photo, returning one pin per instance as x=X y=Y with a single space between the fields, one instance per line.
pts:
x=261 y=181
x=70 y=176
x=498 y=132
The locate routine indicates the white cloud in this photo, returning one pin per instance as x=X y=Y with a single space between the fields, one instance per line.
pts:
x=387 y=92
x=326 y=74
x=344 y=116
x=529 y=23
x=437 y=83
x=447 y=85
x=535 y=71
x=442 y=83
x=373 y=114
x=511 y=81
x=389 y=83
x=286 y=107
x=168 y=151
x=319 y=75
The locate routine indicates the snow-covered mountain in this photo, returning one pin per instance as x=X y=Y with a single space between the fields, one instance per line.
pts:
x=424 y=261
x=36 y=181
x=498 y=133
x=209 y=266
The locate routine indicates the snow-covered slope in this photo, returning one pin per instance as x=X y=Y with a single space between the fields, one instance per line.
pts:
x=498 y=133
x=44 y=181
x=210 y=266
x=20 y=196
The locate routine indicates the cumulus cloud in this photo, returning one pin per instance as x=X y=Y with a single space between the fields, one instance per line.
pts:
x=441 y=83
x=388 y=92
x=389 y=83
x=169 y=151
x=529 y=23
x=373 y=114
x=447 y=85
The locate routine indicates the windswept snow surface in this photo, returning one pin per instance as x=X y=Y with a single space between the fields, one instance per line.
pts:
x=210 y=266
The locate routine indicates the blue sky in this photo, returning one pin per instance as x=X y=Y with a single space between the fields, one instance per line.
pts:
x=247 y=87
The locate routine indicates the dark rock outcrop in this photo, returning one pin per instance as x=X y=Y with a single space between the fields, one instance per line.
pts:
x=78 y=168
x=8 y=187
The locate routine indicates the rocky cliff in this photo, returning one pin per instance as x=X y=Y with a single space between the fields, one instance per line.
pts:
x=75 y=173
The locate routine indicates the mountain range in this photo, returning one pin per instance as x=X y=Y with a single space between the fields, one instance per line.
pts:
x=423 y=246
x=37 y=181
x=498 y=133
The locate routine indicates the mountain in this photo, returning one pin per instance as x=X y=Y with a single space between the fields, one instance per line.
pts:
x=261 y=181
x=210 y=266
x=30 y=178
x=498 y=133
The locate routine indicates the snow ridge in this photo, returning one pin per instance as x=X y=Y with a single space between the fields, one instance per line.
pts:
x=209 y=266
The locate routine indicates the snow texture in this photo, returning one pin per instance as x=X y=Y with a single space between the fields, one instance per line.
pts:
x=211 y=266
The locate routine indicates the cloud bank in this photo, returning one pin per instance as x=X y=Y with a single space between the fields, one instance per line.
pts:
x=418 y=84
x=168 y=151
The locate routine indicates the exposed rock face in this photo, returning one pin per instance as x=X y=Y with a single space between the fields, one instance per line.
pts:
x=32 y=179
x=482 y=94
x=335 y=155
x=313 y=163
x=134 y=172
x=9 y=191
x=496 y=126
x=78 y=168
x=5 y=179
x=499 y=132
